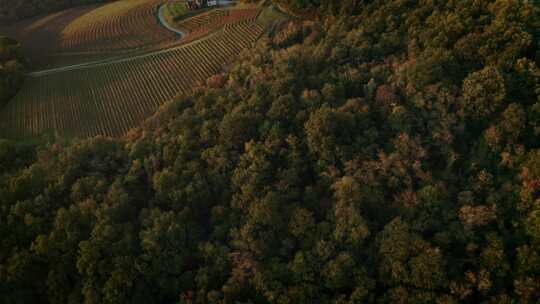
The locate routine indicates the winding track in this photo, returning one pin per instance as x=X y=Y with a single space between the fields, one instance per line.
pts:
x=166 y=25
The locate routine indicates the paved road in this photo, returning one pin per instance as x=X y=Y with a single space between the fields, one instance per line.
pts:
x=165 y=24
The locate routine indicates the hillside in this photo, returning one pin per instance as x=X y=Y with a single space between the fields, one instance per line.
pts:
x=103 y=88
x=381 y=151
x=15 y=10
x=89 y=33
x=11 y=69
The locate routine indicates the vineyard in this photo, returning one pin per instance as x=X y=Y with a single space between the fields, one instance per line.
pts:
x=204 y=24
x=202 y=20
x=93 y=32
x=136 y=27
x=110 y=99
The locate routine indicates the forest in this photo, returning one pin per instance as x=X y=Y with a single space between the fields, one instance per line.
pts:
x=381 y=151
x=12 y=67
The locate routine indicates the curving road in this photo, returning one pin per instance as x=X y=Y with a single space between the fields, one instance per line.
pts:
x=165 y=24
x=173 y=29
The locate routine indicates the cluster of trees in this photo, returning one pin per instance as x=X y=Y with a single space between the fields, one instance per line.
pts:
x=15 y=10
x=387 y=156
x=11 y=68
x=319 y=8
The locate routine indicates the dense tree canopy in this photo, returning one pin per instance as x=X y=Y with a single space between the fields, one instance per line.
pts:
x=11 y=68
x=390 y=155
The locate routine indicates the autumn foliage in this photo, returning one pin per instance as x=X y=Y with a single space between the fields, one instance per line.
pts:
x=389 y=155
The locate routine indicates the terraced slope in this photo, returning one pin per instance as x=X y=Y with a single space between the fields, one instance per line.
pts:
x=202 y=20
x=91 y=32
x=202 y=25
x=112 y=98
x=135 y=26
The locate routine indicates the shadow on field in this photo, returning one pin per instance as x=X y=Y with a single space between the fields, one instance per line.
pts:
x=40 y=36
